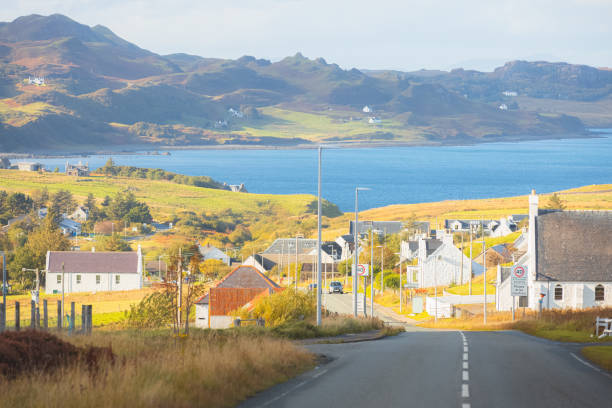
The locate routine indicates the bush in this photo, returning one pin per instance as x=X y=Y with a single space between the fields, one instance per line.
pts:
x=288 y=305
x=392 y=281
x=154 y=311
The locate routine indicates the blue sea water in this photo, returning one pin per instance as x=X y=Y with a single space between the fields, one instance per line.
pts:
x=396 y=175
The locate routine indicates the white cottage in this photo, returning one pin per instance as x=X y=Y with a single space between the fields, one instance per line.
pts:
x=441 y=263
x=211 y=252
x=568 y=260
x=93 y=271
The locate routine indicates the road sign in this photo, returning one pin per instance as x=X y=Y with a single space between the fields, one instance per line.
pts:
x=359 y=303
x=411 y=286
x=363 y=270
x=518 y=281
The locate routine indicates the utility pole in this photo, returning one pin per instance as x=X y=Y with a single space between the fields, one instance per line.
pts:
x=296 y=262
x=461 y=274
x=63 y=280
x=382 y=268
x=470 y=268
x=400 y=282
x=371 y=273
x=179 y=300
x=484 y=263
x=436 y=287
x=319 y=246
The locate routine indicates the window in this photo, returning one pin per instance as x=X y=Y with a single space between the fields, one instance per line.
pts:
x=600 y=293
x=59 y=278
x=97 y=279
x=117 y=279
x=558 y=292
x=78 y=279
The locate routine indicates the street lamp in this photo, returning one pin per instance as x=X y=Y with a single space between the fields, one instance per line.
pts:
x=356 y=241
x=382 y=268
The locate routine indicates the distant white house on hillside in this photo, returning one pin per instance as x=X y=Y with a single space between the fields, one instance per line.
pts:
x=510 y=93
x=211 y=252
x=374 y=120
x=503 y=107
x=367 y=109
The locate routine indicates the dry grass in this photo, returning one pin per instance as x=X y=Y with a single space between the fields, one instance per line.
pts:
x=154 y=369
x=566 y=325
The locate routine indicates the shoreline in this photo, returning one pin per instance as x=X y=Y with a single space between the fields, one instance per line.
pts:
x=165 y=150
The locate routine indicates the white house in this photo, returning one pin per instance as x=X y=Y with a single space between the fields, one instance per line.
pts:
x=366 y=109
x=70 y=227
x=259 y=262
x=374 y=120
x=211 y=252
x=29 y=166
x=510 y=93
x=568 y=260
x=93 y=271
x=441 y=263
x=503 y=107
x=81 y=214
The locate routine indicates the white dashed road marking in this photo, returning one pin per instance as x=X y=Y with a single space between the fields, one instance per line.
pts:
x=466 y=365
x=465 y=390
x=465 y=356
x=465 y=375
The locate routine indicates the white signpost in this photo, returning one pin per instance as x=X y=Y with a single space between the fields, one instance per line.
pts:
x=518 y=283
x=363 y=270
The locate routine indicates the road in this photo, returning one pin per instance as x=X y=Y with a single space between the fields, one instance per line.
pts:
x=445 y=369
x=343 y=304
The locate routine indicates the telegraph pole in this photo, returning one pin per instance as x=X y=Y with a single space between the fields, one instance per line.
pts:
x=180 y=288
x=371 y=273
x=319 y=246
x=470 y=260
x=63 y=280
x=484 y=263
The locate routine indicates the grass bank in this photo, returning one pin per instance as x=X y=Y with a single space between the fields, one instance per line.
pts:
x=154 y=369
x=600 y=355
x=558 y=325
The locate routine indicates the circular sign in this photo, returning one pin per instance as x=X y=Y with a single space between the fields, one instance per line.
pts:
x=519 y=271
x=362 y=270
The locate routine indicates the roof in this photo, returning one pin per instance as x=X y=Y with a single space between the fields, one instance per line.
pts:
x=266 y=263
x=431 y=245
x=574 y=246
x=387 y=227
x=93 y=262
x=247 y=277
x=287 y=246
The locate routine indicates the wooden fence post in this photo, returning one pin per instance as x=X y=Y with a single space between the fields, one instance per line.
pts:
x=89 y=318
x=72 y=318
x=2 y=318
x=32 y=314
x=59 y=314
x=45 y=315
x=17 y=319
x=84 y=319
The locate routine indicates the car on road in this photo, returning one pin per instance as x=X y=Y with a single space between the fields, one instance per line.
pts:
x=336 y=287
x=312 y=286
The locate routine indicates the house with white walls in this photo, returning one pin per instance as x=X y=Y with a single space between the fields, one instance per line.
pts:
x=211 y=252
x=441 y=263
x=77 y=271
x=568 y=260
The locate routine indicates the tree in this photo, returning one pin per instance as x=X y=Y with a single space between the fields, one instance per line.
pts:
x=40 y=198
x=46 y=237
x=106 y=202
x=125 y=207
x=62 y=202
x=555 y=203
x=23 y=258
x=114 y=243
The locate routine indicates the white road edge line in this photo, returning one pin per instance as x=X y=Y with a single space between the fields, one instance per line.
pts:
x=283 y=394
x=465 y=391
x=466 y=375
x=465 y=405
x=586 y=363
x=319 y=374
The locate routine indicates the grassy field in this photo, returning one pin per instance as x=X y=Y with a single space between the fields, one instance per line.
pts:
x=477 y=285
x=593 y=197
x=325 y=125
x=207 y=368
x=600 y=355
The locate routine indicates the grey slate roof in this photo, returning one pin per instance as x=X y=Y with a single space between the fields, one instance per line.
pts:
x=287 y=246
x=93 y=262
x=574 y=246
x=388 y=227
x=431 y=245
x=266 y=263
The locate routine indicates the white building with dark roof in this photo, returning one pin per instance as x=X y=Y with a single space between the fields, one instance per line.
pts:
x=568 y=260
x=93 y=271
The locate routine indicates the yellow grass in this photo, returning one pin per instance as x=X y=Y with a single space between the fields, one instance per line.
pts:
x=593 y=197
x=477 y=285
x=211 y=369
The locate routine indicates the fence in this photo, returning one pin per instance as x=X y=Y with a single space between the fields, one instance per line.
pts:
x=48 y=318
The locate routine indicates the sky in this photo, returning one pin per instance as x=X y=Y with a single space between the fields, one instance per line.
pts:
x=384 y=34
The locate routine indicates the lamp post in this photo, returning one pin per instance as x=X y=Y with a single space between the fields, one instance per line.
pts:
x=356 y=241
x=319 y=244
x=382 y=268
x=400 y=280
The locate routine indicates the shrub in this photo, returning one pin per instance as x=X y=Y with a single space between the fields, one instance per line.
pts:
x=29 y=350
x=290 y=304
x=392 y=281
x=155 y=310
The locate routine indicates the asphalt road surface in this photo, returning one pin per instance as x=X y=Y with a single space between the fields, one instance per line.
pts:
x=446 y=369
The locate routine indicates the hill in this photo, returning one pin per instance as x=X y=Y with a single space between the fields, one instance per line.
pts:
x=101 y=90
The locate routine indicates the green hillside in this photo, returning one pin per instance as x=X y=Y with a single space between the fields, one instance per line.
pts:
x=101 y=90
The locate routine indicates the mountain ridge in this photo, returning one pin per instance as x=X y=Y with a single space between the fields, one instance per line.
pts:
x=103 y=86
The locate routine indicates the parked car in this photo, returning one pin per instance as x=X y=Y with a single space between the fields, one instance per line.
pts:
x=312 y=286
x=336 y=287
